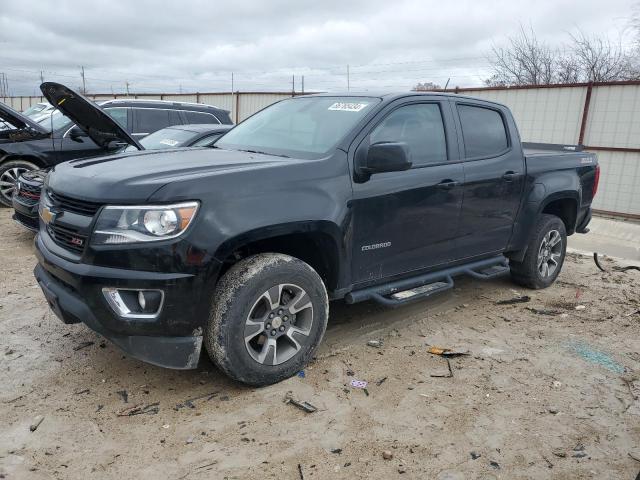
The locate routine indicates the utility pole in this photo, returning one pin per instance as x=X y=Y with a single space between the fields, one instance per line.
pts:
x=84 y=84
x=293 y=85
x=303 y=84
x=126 y=84
x=41 y=76
x=348 y=80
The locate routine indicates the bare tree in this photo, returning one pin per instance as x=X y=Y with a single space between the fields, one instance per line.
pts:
x=426 y=86
x=525 y=61
x=599 y=60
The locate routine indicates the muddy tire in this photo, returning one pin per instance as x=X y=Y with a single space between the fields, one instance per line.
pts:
x=268 y=316
x=9 y=173
x=545 y=254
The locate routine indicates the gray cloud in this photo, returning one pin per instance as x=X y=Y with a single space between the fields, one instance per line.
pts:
x=160 y=46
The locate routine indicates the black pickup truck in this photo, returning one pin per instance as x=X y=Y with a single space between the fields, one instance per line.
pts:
x=315 y=198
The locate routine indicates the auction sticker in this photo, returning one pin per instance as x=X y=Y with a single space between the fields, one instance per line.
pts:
x=168 y=141
x=348 y=107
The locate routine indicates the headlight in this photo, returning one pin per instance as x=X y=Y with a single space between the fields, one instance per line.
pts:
x=148 y=223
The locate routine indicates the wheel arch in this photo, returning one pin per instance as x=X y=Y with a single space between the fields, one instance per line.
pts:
x=317 y=243
x=563 y=205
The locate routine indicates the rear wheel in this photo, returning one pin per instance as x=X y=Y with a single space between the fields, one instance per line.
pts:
x=545 y=254
x=268 y=316
x=9 y=173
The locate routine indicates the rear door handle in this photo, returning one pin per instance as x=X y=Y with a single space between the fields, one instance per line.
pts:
x=510 y=176
x=447 y=184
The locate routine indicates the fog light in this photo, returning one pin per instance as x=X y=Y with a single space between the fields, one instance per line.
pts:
x=133 y=303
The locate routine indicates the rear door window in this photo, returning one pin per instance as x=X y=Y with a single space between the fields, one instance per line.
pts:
x=149 y=120
x=121 y=116
x=483 y=131
x=200 y=117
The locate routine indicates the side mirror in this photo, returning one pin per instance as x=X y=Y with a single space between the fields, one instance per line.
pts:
x=384 y=157
x=76 y=134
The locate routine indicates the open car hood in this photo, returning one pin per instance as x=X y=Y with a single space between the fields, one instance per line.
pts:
x=88 y=116
x=18 y=120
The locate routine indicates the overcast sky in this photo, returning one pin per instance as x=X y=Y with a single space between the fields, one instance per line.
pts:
x=194 y=45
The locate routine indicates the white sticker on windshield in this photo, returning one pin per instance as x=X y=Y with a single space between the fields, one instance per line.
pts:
x=168 y=141
x=348 y=107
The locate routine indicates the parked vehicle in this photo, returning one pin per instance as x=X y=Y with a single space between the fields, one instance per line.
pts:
x=39 y=111
x=354 y=197
x=183 y=136
x=55 y=139
x=27 y=192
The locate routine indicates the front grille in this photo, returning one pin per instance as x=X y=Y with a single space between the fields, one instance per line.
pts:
x=67 y=238
x=29 y=194
x=74 y=205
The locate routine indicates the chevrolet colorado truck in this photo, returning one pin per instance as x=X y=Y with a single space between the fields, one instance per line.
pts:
x=241 y=246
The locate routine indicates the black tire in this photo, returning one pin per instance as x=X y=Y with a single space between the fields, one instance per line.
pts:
x=530 y=272
x=243 y=292
x=8 y=171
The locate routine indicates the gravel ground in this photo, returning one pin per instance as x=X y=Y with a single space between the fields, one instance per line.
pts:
x=550 y=389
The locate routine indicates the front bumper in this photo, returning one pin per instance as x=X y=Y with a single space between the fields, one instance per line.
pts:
x=74 y=292
x=26 y=214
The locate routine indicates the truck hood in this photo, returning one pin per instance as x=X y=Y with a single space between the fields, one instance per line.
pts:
x=18 y=120
x=88 y=116
x=134 y=177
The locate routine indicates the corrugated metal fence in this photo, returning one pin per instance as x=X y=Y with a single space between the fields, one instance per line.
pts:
x=241 y=105
x=605 y=117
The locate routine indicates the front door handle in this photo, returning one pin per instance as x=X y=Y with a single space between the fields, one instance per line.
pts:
x=510 y=176
x=447 y=184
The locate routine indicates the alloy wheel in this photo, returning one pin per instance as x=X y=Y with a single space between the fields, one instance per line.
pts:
x=549 y=253
x=278 y=324
x=9 y=179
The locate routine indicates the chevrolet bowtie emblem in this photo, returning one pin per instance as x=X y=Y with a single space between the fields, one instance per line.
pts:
x=47 y=215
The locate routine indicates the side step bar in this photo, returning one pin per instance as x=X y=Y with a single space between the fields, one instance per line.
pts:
x=408 y=290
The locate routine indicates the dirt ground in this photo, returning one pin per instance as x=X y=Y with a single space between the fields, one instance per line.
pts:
x=548 y=391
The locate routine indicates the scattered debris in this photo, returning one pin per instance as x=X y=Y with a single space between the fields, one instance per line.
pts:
x=100 y=407
x=358 y=383
x=83 y=345
x=549 y=464
x=189 y=441
x=151 y=409
x=580 y=307
x=553 y=410
x=511 y=301
x=375 y=343
x=124 y=394
x=80 y=392
x=559 y=453
x=402 y=469
x=444 y=375
x=301 y=374
x=381 y=381
x=494 y=464
x=300 y=472
x=617 y=269
x=305 y=406
x=336 y=451
x=597 y=262
x=189 y=402
x=556 y=384
x=36 y=423
x=447 y=352
x=475 y=455
x=635 y=456
x=595 y=356
x=543 y=311
x=387 y=455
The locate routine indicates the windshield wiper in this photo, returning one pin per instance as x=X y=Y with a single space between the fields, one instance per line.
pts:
x=265 y=153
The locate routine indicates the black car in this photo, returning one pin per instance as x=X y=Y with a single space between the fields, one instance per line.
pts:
x=27 y=192
x=239 y=248
x=29 y=145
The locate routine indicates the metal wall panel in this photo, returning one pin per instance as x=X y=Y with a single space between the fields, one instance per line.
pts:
x=250 y=103
x=619 y=189
x=614 y=117
x=550 y=115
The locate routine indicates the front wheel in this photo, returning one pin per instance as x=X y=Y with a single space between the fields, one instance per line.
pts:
x=545 y=254
x=268 y=316
x=9 y=173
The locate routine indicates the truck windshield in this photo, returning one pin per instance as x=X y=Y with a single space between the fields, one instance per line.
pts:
x=307 y=127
